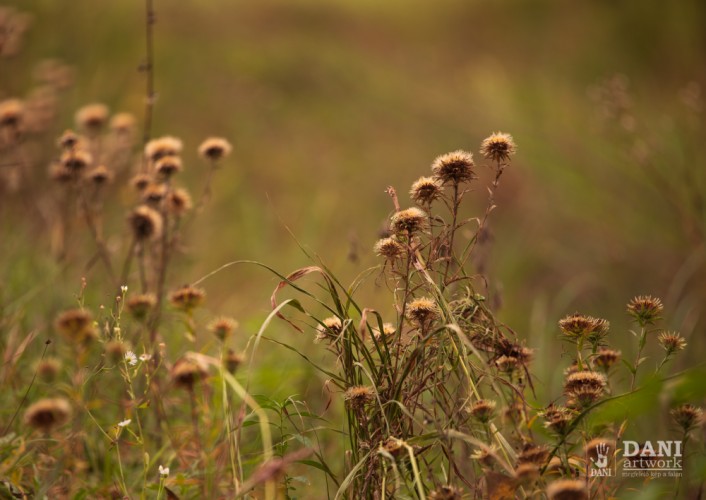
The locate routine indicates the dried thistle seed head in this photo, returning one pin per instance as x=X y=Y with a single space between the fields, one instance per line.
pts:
x=483 y=410
x=76 y=160
x=425 y=190
x=99 y=176
x=76 y=325
x=48 y=413
x=687 y=416
x=187 y=298
x=115 y=350
x=584 y=378
x=388 y=329
x=527 y=473
x=507 y=364
x=330 y=329
x=153 y=194
x=140 y=306
x=168 y=166
x=68 y=140
x=409 y=221
x=179 y=202
x=498 y=147
x=484 y=456
x=92 y=118
x=393 y=446
x=606 y=358
x=60 y=174
x=446 y=493
x=583 y=397
x=422 y=312
x=567 y=489
x=671 y=342
x=533 y=454
x=455 y=167
x=122 y=124
x=215 y=148
x=232 y=361
x=186 y=372
x=11 y=113
x=146 y=223
x=389 y=248
x=645 y=309
x=580 y=326
x=222 y=327
x=163 y=146
x=358 y=396
x=48 y=369
x=140 y=182
x=558 y=418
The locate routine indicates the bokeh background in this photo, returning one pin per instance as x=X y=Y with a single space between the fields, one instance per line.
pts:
x=329 y=102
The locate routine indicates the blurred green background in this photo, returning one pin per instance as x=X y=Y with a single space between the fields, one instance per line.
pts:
x=328 y=103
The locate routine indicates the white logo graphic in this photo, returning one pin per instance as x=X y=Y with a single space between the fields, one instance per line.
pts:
x=600 y=467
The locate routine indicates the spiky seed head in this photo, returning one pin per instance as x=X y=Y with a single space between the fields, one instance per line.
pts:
x=179 y=202
x=145 y=222
x=330 y=329
x=445 y=493
x=140 y=182
x=581 y=326
x=59 y=173
x=68 y=140
x=498 y=147
x=222 y=327
x=115 y=350
x=153 y=194
x=358 y=396
x=408 y=221
x=186 y=372
x=389 y=248
x=422 y=312
x=558 y=418
x=163 y=146
x=232 y=361
x=11 y=113
x=454 y=167
x=92 y=117
x=167 y=166
x=388 y=329
x=605 y=358
x=533 y=454
x=187 y=298
x=527 y=473
x=46 y=414
x=425 y=190
x=687 y=416
x=567 y=489
x=645 y=309
x=140 y=306
x=122 y=124
x=215 y=148
x=584 y=378
x=76 y=160
x=48 y=369
x=484 y=455
x=507 y=364
x=671 y=342
x=99 y=176
x=76 y=325
x=483 y=410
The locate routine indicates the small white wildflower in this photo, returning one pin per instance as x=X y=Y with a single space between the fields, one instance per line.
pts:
x=123 y=288
x=145 y=357
x=163 y=471
x=125 y=423
x=131 y=358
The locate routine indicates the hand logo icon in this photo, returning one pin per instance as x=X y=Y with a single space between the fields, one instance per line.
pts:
x=602 y=452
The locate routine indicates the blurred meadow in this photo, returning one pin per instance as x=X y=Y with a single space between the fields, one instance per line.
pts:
x=326 y=104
